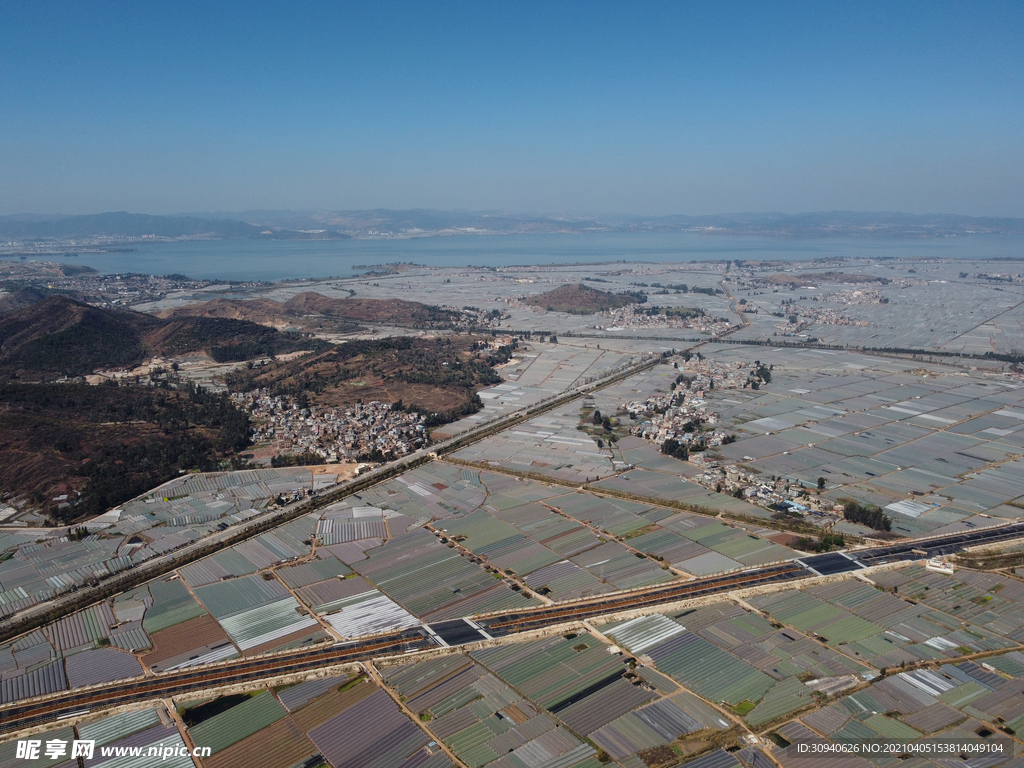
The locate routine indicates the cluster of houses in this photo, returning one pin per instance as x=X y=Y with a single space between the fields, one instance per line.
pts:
x=832 y=315
x=344 y=433
x=775 y=493
x=683 y=413
x=639 y=316
x=102 y=290
x=683 y=420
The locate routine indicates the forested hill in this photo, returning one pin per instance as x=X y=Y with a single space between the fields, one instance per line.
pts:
x=581 y=299
x=62 y=337
x=101 y=446
x=313 y=309
x=11 y=301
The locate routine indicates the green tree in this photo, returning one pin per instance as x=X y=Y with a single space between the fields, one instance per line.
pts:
x=868 y=515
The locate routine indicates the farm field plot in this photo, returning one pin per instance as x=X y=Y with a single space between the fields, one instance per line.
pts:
x=937 y=448
x=346 y=720
x=964 y=701
x=549 y=445
x=39 y=565
x=736 y=658
x=537 y=372
x=886 y=630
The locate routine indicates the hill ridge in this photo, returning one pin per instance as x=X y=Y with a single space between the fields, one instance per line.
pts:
x=59 y=336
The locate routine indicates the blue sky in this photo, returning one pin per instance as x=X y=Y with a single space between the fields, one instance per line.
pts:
x=641 y=108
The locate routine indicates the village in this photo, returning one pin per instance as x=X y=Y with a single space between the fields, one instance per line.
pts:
x=641 y=316
x=828 y=314
x=362 y=432
x=682 y=424
x=98 y=289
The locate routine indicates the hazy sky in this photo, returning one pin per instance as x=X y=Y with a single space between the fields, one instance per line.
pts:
x=547 y=107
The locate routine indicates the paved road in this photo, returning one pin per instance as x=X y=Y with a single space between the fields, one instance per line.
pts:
x=461 y=631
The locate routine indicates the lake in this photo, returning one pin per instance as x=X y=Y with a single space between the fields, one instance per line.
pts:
x=281 y=259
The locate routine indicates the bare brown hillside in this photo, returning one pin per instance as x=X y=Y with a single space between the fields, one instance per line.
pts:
x=62 y=337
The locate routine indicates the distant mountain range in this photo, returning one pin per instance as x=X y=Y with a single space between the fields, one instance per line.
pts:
x=138 y=225
x=832 y=223
x=423 y=222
